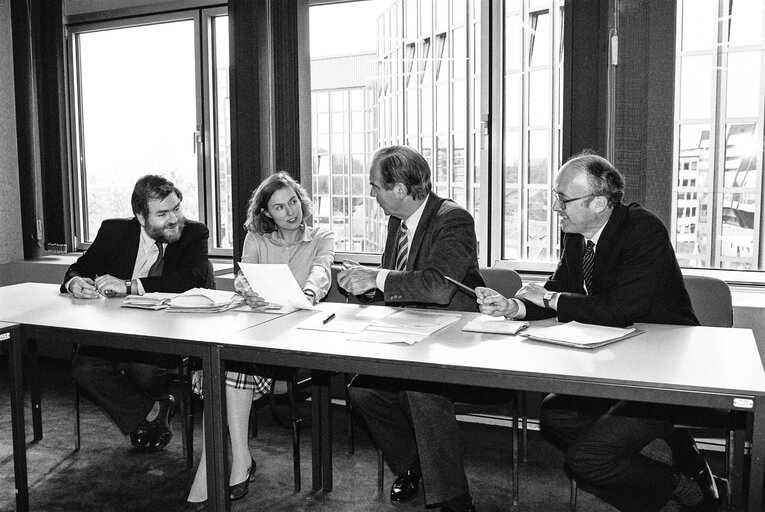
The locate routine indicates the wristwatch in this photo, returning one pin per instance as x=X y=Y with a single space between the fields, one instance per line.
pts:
x=128 y=286
x=547 y=297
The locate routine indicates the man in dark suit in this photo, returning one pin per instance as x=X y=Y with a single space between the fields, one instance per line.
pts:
x=428 y=238
x=155 y=251
x=617 y=267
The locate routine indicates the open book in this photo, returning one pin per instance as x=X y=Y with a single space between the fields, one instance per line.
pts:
x=495 y=325
x=575 y=334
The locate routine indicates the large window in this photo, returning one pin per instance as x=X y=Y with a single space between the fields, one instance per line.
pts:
x=720 y=90
x=413 y=76
x=149 y=97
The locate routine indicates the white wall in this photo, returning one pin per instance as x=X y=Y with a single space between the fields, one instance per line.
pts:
x=11 y=247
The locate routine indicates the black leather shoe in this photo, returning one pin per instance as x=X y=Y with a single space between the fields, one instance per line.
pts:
x=406 y=485
x=240 y=490
x=158 y=430
x=195 y=506
x=140 y=436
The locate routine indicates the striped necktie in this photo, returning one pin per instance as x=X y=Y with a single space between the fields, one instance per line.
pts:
x=588 y=262
x=156 y=267
x=402 y=250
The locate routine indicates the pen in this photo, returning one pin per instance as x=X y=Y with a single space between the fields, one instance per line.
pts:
x=454 y=281
x=328 y=319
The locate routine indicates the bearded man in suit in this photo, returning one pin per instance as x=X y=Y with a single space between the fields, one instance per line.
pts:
x=428 y=238
x=157 y=250
x=617 y=267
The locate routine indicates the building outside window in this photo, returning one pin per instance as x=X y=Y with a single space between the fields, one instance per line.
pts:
x=719 y=108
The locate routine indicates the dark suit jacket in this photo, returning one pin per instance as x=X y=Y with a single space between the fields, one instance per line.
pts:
x=115 y=249
x=636 y=277
x=444 y=243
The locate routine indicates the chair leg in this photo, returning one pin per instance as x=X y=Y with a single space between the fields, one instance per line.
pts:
x=349 y=415
x=525 y=425
x=76 y=417
x=187 y=410
x=295 y=420
x=380 y=473
x=572 y=502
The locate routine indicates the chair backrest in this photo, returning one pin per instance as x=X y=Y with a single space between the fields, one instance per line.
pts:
x=504 y=280
x=210 y=280
x=711 y=300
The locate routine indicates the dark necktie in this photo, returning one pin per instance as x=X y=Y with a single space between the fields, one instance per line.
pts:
x=588 y=262
x=402 y=251
x=156 y=268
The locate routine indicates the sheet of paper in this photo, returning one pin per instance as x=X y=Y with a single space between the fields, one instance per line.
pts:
x=414 y=322
x=387 y=337
x=276 y=284
x=579 y=334
x=349 y=321
x=495 y=325
x=204 y=297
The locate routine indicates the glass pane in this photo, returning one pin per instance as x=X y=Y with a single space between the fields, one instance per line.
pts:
x=694 y=155
x=221 y=109
x=698 y=24
x=737 y=239
x=745 y=22
x=696 y=81
x=537 y=215
x=741 y=150
x=692 y=230
x=138 y=115
x=407 y=85
x=539 y=47
x=539 y=98
x=539 y=157
x=744 y=84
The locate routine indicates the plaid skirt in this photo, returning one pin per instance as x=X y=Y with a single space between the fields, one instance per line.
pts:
x=260 y=386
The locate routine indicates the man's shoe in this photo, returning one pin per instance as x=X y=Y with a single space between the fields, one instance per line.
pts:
x=406 y=485
x=715 y=495
x=140 y=436
x=158 y=430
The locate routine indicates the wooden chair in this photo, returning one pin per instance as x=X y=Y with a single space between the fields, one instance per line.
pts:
x=712 y=302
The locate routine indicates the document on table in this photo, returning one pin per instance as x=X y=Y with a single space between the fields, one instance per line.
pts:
x=153 y=300
x=276 y=284
x=204 y=300
x=495 y=325
x=349 y=321
x=579 y=335
x=411 y=321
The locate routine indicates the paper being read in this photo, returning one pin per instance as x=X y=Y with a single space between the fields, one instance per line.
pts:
x=276 y=284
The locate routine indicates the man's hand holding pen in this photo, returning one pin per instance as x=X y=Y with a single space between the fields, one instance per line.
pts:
x=491 y=302
x=84 y=288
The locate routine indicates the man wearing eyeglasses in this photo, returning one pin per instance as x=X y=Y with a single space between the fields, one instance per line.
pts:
x=617 y=267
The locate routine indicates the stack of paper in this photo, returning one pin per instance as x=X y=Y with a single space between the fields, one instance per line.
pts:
x=153 y=301
x=575 y=334
x=405 y=326
x=495 y=325
x=203 y=300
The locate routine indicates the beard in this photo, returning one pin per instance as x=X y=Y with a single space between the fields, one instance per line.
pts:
x=167 y=233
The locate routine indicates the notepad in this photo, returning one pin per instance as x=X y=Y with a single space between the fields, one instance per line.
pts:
x=579 y=335
x=495 y=325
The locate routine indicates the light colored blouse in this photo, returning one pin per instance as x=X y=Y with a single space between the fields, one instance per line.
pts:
x=309 y=258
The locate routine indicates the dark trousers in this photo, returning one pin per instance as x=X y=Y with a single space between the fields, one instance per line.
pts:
x=122 y=387
x=602 y=440
x=409 y=422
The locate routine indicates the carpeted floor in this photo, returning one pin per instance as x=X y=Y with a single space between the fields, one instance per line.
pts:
x=108 y=475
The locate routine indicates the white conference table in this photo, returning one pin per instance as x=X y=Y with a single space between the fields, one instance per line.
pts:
x=696 y=366
x=701 y=366
x=42 y=313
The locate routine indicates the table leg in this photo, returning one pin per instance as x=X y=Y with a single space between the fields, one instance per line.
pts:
x=757 y=465
x=326 y=428
x=33 y=369
x=17 y=420
x=215 y=411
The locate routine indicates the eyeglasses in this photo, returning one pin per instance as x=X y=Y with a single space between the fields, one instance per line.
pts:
x=564 y=202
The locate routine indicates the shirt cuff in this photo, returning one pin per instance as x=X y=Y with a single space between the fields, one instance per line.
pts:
x=139 y=288
x=521 y=314
x=382 y=275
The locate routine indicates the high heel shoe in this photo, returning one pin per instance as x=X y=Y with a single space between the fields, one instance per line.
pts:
x=240 y=490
